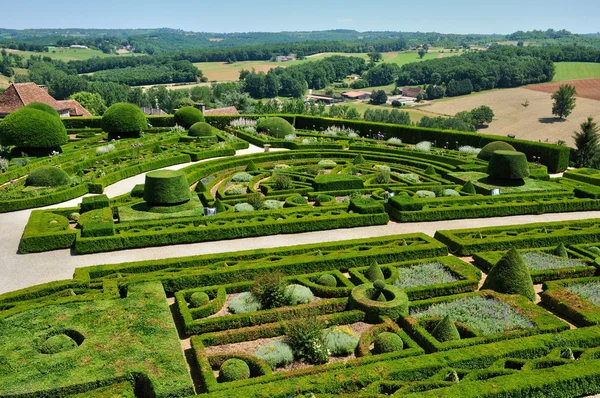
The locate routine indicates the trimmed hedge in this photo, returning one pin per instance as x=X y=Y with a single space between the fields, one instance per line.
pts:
x=508 y=165
x=274 y=126
x=47 y=176
x=188 y=116
x=93 y=202
x=488 y=150
x=580 y=311
x=337 y=182
x=123 y=119
x=30 y=128
x=43 y=107
x=201 y=129
x=366 y=206
x=166 y=187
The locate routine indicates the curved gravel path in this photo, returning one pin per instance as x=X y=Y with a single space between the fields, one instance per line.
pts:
x=19 y=271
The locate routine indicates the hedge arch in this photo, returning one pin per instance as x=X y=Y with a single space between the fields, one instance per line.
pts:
x=125 y=120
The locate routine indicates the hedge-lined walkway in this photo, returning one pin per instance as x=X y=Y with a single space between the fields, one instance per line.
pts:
x=19 y=271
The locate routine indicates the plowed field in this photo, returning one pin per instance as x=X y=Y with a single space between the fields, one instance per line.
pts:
x=586 y=88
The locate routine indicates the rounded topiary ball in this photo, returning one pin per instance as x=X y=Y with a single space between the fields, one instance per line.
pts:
x=199 y=299
x=166 y=187
x=274 y=126
x=201 y=129
x=379 y=284
x=44 y=108
x=234 y=369
x=47 y=176
x=124 y=120
x=58 y=343
x=32 y=128
x=387 y=342
x=508 y=165
x=327 y=280
x=188 y=116
x=486 y=151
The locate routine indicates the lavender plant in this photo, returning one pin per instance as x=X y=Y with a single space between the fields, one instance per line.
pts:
x=424 y=274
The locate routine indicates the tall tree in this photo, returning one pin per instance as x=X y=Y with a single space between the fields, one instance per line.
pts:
x=564 y=101
x=378 y=97
x=586 y=142
x=93 y=102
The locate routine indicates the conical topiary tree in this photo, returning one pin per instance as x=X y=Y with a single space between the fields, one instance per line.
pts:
x=446 y=330
x=378 y=287
x=510 y=276
x=452 y=376
x=430 y=171
x=561 y=251
x=200 y=187
x=251 y=166
x=468 y=187
x=374 y=272
x=219 y=206
x=359 y=159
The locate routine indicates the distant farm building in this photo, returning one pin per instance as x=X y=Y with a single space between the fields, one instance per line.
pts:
x=326 y=99
x=285 y=58
x=78 y=46
x=18 y=95
x=357 y=95
x=412 y=91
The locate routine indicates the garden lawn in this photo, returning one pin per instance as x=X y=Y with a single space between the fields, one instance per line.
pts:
x=576 y=70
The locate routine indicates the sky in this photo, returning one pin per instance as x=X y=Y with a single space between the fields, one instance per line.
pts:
x=445 y=16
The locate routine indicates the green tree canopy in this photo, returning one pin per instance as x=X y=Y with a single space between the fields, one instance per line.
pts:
x=564 y=101
x=586 y=142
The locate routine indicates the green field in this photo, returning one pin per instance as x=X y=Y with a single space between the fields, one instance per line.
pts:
x=64 y=54
x=576 y=70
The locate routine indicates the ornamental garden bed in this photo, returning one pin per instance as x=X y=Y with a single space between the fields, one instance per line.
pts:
x=577 y=299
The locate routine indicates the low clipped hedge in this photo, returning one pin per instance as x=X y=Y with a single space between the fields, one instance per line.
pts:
x=47 y=176
x=577 y=309
x=366 y=206
x=337 y=182
x=96 y=223
x=46 y=231
x=93 y=202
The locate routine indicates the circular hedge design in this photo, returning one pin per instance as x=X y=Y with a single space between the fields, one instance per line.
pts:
x=166 y=187
x=274 y=126
x=32 y=128
x=387 y=342
x=366 y=298
x=47 y=176
x=234 y=369
x=489 y=149
x=188 y=116
x=124 y=119
x=58 y=343
x=508 y=165
x=201 y=129
x=44 y=108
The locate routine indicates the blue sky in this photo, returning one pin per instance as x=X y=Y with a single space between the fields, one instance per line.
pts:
x=468 y=16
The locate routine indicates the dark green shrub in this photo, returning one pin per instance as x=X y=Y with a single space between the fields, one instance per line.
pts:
x=234 y=369
x=445 y=330
x=374 y=272
x=313 y=169
x=47 y=176
x=327 y=280
x=430 y=171
x=561 y=251
x=305 y=336
x=94 y=202
x=58 y=343
x=32 y=128
x=219 y=206
x=487 y=151
x=510 y=276
x=157 y=149
x=269 y=290
x=256 y=200
x=137 y=191
x=201 y=129
x=188 y=116
x=366 y=206
x=387 y=342
x=508 y=165
x=200 y=187
x=337 y=182
x=382 y=177
x=359 y=159
x=251 y=166
x=281 y=182
x=198 y=299
x=166 y=187
x=44 y=108
x=377 y=293
x=468 y=188
x=124 y=120
x=274 y=126
x=299 y=200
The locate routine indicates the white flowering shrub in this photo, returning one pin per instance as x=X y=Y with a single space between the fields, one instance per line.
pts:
x=335 y=131
x=177 y=129
x=242 y=176
x=327 y=162
x=103 y=150
x=394 y=140
x=410 y=177
x=382 y=167
x=469 y=150
x=423 y=146
x=3 y=165
x=290 y=137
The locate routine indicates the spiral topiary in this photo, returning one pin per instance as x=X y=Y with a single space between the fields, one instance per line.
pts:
x=188 y=116
x=327 y=280
x=198 y=299
x=274 y=126
x=508 y=165
x=47 y=176
x=43 y=107
x=124 y=120
x=234 y=369
x=166 y=187
x=387 y=342
x=201 y=129
x=33 y=128
x=487 y=151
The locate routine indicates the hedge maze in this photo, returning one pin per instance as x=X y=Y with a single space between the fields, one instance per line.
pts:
x=479 y=312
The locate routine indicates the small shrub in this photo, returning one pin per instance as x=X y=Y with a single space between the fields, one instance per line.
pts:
x=269 y=290
x=234 y=369
x=510 y=276
x=430 y=171
x=244 y=302
x=340 y=341
x=3 y=165
x=74 y=217
x=323 y=199
x=243 y=207
x=410 y=177
x=387 y=342
x=157 y=149
x=235 y=189
x=468 y=188
x=271 y=204
x=469 y=150
x=359 y=159
x=58 y=343
x=281 y=182
x=327 y=280
x=382 y=177
x=445 y=330
x=425 y=194
x=423 y=146
x=277 y=354
x=274 y=126
x=251 y=166
x=290 y=137
x=382 y=167
x=219 y=206
x=241 y=177
x=198 y=299
x=394 y=140
x=104 y=149
x=450 y=192
x=313 y=169
x=561 y=251
x=47 y=176
x=201 y=129
x=256 y=200
x=298 y=294
x=188 y=116
x=299 y=200
x=305 y=336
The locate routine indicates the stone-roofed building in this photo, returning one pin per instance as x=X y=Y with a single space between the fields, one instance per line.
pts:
x=18 y=95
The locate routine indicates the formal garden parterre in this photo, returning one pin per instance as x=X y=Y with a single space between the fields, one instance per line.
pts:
x=400 y=315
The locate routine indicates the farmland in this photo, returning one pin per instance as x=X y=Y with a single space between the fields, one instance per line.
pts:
x=64 y=54
x=586 y=88
x=575 y=70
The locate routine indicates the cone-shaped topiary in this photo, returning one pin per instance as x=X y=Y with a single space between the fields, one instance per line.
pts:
x=274 y=126
x=430 y=170
x=486 y=151
x=188 y=116
x=124 y=120
x=378 y=287
x=374 y=272
x=251 y=166
x=43 y=107
x=446 y=330
x=32 y=128
x=567 y=353
x=219 y=206
x=510 y=276
x=47 y=176
x=561 y=251
x=508 y=165
x=359 y=159
x=201 y=129
x=468 y=187
x=200 y=187
x=452 y=376
x=166 y=187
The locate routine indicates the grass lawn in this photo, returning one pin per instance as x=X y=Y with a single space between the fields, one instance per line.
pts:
x=4 y=81
x=65 y=54
x=576 y=70
x=410 y=57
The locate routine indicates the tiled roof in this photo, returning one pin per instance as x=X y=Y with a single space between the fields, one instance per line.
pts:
x=231 y=110
x=18 y=95
x=75 y=108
